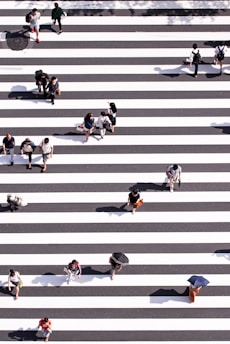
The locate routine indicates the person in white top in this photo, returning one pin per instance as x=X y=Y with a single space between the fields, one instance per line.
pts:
x=173 y=173
x=47 y=150
x=103 y=123
x=15 y=279
x=220 y=52
x=34 y=24
x=112 y=112
x=194 y=58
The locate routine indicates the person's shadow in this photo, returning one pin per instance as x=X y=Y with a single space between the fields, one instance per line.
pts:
x=223 y=253
x=113 y=210
x=49 y=278
x=4 y=208
x=165 y=295
x=150 y=186
x=21 y=92
x=22 y=335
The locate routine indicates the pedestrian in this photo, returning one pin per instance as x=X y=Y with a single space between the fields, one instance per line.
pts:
x=193 y=291
x=8 y=144
x=115 y=267
x=27 y=147
x=73 y=269
x=53 y=88
x=34 y=23
x=42 y=80
x=56 y=14
x=47 y=150
x=103 y=123
x=220 y=51
x=15 y=279
x=15 y=201
x=112 y=112
x=89 y=124
x=45 y=325
x=173 y=173
x=194 y=58
x=134 y=199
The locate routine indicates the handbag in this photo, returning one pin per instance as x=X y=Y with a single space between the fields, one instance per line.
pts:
x=80 y=128
x=139 y=203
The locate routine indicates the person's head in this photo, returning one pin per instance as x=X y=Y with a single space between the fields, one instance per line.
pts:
x=12 y=273
x=103 y=113
x=221 y=43
x=45 y=320
x=194 y=46
x=34 y=11
x=11 y=197
x=175 y=167
x=27 y=141
x=46 y=140
x=8 y=135
x=53 y=80
x=56 y=5
x=74 y=262
x=88 y=116
x=113 y=107
x=135 y=191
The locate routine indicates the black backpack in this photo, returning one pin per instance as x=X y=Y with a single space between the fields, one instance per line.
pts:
x=220 y=55
x=28 y=17
x=196 y=57
x=38 y=73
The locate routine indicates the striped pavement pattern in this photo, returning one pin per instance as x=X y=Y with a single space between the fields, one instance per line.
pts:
x=129 y=52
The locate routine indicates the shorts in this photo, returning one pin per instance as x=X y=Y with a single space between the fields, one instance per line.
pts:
x=35 y=26
x=15 y=283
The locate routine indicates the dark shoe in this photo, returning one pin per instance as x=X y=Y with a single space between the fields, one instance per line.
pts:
x=11 y=164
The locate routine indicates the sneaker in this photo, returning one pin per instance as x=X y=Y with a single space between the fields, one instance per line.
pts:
x=11 y=164
x=38 y=40
x=171 y=189
x=60 y=32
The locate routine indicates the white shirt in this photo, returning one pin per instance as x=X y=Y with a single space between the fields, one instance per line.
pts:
x=46 y=147
x=15 y=278
x=35 y=18
x=175 y=173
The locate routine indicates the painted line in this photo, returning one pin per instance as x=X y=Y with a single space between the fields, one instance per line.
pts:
x=119 y=197
x=127 y=159
x=123 y=122
x=86 y=104
x=116 y=217
x=117 y=302
x=116 y=238
x=182 y=324
x=111 y=178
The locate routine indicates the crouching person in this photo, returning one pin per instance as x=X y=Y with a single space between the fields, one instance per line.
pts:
x=15 y=201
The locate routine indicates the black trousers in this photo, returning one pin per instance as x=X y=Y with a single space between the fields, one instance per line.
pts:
x=59 y=23
x=196 y=68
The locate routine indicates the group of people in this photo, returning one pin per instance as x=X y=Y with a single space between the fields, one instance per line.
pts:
x=49 y=85
x=195 y=57
x=106 y=121
x=28 y=147
x=34 y=16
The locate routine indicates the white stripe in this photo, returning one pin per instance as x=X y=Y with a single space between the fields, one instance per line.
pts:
x=102 y=53
x=116 y=238
x=123 y=122
x=117 y=217
x=132 y=36
x=119 y=197
x=130 y=140
x=86 y=104
x=122 y=86
x=147 y=4
x=100 y=159
x=120 y=280
x=105 y=302
x=113 y=69
x=181 y=324
x=124 y=20
x=150 y=259
x=111 y=178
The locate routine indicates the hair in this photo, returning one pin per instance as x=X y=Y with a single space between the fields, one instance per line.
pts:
x=113 y=107
x=103 y=113
x=135 y=191
x=88 y=116
x=46 y=140
x=194 y=46
x=45 y=319
x=74 y=261
x=8 y=134
x=12 y=272
x=56 y=4
x=221 y=43
x=53 y=78
x=34 y=10
x=27 y=139
x=175 y=167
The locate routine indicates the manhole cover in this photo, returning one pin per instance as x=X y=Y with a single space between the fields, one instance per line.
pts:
x=17 y=40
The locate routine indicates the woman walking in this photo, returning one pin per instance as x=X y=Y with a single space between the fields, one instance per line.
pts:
x=103 y=123
x=27 y=147
x=89 y=124
x=15 y=279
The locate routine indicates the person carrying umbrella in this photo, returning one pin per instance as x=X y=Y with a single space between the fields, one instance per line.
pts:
x=117 y=260
x=196 y=283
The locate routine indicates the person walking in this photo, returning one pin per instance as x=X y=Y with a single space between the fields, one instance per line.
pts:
x=53 y=88
x=8 y=144
x=112 y=112
x=173 y=173
x=15 y=201
x=115 y=267
x=15 y=279
x=47 y=150
x=73 y=269
x=34 y=23
x=134 y=199
x=89 y=124
x=56 y=15
x=193 y=292
x=103 y=123
x=220 y=51
x=27 y=147
x=46 y=328
x=42 y=80
x=194 y=58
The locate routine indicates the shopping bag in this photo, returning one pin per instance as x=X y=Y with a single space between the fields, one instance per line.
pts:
x=80 y=128
x=139 y=203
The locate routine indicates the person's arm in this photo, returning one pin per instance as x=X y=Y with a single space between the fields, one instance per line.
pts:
x=9 y=287
x=3 y=148
x=52 y=151
x=21 y=147
x=79 y=266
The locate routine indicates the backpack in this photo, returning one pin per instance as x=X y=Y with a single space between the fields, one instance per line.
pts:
x=220 y=55
x=196 y=57
x=38 y=73
x=28 y=17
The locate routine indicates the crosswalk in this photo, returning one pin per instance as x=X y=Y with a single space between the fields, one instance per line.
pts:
x=130 y=52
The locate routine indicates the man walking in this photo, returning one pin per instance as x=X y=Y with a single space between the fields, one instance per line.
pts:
x=34 y=24
x=56 y=14
x=47 y=150
x=173 y=173
x=8 y=145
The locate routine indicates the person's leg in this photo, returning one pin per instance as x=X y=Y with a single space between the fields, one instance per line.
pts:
x=60 y=26
x=37 y=33
x=87 y=135
x=112 y=273
x=17 y=292
x=196 y=70
x=221 y=64
x=30 y=159
x=52 y=98
x=11 y=150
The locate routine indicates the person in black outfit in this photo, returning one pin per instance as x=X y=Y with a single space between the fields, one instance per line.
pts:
x=42 y=80
x=115 y=267
x=8 y=144
x=53 y=87
x=134 y=196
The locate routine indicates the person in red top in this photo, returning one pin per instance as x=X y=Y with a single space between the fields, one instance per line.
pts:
x=73 y=269
x=46 y=329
